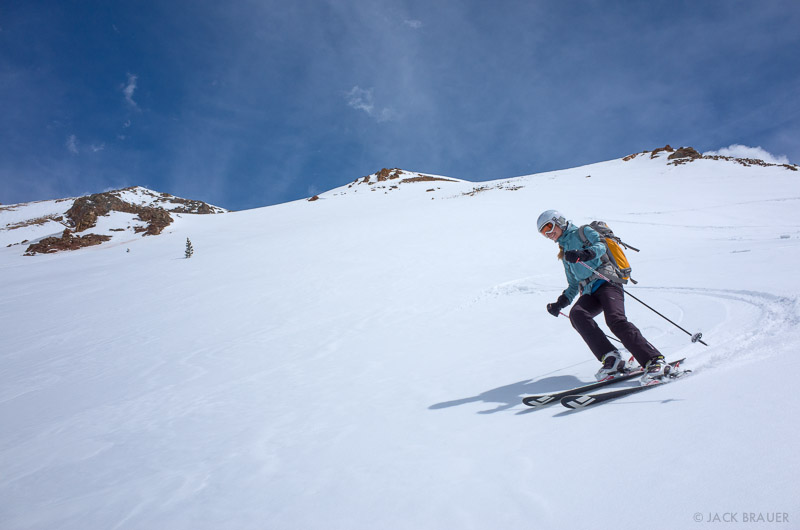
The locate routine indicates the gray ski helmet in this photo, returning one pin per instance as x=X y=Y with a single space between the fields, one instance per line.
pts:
x=551 y=216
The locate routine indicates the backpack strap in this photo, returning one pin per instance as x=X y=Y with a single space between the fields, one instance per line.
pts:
x=624 y=244
x=582 y=235
x=587 y=243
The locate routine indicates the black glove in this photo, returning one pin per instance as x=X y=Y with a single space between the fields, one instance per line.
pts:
x=573 y=256
x=558 y=305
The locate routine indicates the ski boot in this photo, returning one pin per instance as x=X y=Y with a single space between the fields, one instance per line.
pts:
x=613 y=366
x=656 y=369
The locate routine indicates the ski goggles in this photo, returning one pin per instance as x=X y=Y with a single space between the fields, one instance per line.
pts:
x=548 y=229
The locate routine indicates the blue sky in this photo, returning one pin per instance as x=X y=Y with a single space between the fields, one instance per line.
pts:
x=250 y=103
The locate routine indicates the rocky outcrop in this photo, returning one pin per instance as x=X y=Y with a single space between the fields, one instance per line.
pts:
x=747 y=162
x=35 y=221
x=684 y=155
x=425 y=178
x=166 y=201
x=86 y=210
x=685 y=152
x=389 y=180
x=67 y=241
x=152 y=208
x=386 y=174
x=666 y=149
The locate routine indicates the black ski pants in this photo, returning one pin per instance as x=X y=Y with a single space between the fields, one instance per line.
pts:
x=609 y=299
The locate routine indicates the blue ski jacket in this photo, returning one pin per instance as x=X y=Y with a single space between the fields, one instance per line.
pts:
x=579 y=278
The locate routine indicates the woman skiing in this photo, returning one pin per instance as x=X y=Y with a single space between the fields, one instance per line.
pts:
x=597 y=295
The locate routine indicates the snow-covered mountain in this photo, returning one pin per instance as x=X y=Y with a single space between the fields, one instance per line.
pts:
x=114 y=216
x=358 y=361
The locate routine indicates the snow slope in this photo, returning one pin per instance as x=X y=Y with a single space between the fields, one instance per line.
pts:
x=358 y=362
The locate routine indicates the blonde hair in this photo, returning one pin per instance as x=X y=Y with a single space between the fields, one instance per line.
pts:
x=560 y=252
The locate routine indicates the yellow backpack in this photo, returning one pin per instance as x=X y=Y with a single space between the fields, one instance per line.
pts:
x=614 y=255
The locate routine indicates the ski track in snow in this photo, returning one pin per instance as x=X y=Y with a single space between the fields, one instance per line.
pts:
x=523 y=286
x=765 y=335
x=706 y=208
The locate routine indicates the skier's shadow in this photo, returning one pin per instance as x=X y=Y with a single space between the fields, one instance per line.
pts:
x=510 y=396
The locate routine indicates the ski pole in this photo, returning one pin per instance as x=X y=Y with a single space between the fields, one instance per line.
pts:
x=606 y=334
x=697 y=337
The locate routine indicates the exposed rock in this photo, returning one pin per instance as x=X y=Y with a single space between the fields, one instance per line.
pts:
x=86 y=210
x=685 y=155
x=653 y=154
x=156 y=219
x=152 y=208
x=389 y=174
x=685 y=152
x=631 y=157
x=747 y=162
x=169 y=202
x=67 y=241
x=426 y=178
x=382 y=180
x=500 y=186
x=36 y=221
x=666 y=148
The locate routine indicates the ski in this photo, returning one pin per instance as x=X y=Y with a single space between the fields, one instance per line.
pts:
x=581 y=401
x=547 y=399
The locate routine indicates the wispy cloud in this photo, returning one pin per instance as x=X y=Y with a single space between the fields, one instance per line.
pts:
x=462 y=92
x=362 y=99
x=743 y=151
x=72 y=144
x=129 y=89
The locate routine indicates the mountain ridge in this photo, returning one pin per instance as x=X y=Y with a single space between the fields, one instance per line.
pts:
x=48 y=227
